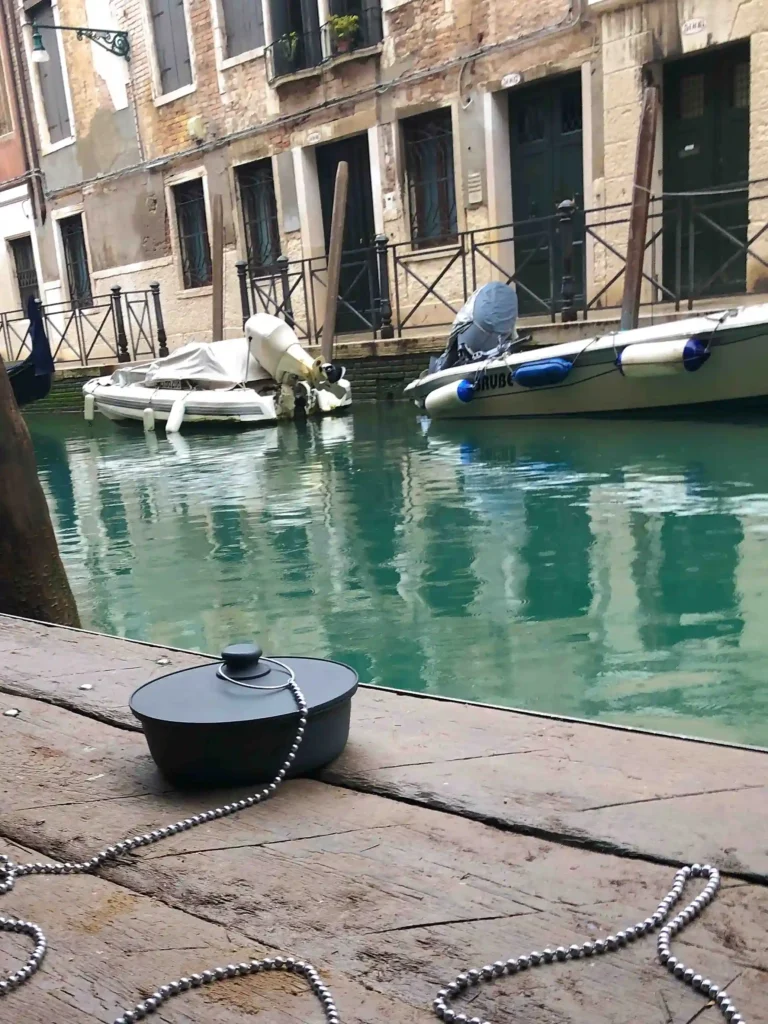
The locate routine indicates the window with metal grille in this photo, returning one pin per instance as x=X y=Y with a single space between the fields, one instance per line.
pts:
x=741 y=86
x=570 y=109
x=257 y=195
x=194 y=246
x=243 y=25
x=76 y=261
x=51 y=75
x=169 y=25
x=428 y=140
x=691 y=97
x=531 y=122
x=26 y=274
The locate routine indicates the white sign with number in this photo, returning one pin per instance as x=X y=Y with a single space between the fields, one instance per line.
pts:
x=694 y=26
x=511 y=80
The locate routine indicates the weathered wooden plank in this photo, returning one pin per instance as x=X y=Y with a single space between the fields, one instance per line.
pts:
x=633 y=792
x=397 y=895
x=110 y=947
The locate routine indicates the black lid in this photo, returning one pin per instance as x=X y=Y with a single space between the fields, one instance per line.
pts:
x=199 y=696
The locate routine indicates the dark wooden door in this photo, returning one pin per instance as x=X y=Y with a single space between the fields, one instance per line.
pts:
x=706 y=147
x=358 y=285
x=545 y=124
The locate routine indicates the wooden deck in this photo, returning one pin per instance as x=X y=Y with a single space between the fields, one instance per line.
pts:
x=446 y=836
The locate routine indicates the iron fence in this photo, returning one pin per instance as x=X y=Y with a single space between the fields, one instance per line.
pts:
x=123 y=326
x=295 y=290
x=568 y=264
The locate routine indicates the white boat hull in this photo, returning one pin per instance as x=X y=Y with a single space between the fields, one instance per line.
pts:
x=736 y=370
x=129 y=403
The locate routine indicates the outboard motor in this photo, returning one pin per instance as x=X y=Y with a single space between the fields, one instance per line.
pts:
x=484 y=327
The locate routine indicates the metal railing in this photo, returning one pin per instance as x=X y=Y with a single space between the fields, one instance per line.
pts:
x=568 y=264
x=350 y=32
x=299 y=51
x=295 y=291
x=293 y=52
x=124 y=326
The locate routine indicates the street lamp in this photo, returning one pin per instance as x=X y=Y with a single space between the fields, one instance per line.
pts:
x=108 y=39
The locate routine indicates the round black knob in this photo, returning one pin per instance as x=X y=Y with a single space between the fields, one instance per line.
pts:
x=238 y=657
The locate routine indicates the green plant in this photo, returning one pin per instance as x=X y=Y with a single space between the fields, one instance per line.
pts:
x=288 y=44
x=345 y=26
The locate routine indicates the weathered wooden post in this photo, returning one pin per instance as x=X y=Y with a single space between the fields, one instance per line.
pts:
x=566 y=210
x=385 y=303
x=117 y=314
x=638 y=217
x=217 y=269
x=33 y=582
x=162 y=337
x=334 y=259
x=242 y=279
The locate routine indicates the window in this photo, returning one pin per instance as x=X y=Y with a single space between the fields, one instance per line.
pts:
x=296 y=36
x=741 y=86
x=243 y=25
x=257 y=195
x=51 y=76
x=429 y=166
x=26 y=274
x=354 y=24
x=76 y=261
x=691 y=97
x=169 y=24
x=193 y=233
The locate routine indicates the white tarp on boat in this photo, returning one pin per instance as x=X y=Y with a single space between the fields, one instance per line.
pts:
x=219 y=364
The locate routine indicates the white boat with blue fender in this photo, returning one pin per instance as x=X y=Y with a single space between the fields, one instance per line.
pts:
x=706 y=360
x=259 y=379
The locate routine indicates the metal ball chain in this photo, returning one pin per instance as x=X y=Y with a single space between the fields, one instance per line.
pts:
x=9 y=872
x=610 y=944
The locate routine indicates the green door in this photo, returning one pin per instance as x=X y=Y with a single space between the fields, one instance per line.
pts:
x=358 y=281
x=706 y=149
x=545 y=125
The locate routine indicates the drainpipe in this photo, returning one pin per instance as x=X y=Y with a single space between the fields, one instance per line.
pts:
x=23 y=111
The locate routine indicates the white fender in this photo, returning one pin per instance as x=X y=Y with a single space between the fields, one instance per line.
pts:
x=450 y=399
x=663 y=358
x=89 y=406
x=175 y=417
x=148 y=418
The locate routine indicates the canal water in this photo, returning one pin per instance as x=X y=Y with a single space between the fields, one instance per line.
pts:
x=606 y=570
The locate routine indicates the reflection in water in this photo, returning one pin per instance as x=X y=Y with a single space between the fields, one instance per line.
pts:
x=606 y=570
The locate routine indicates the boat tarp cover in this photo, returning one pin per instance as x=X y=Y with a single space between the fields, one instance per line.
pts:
x=218 y=364
x=483 y=328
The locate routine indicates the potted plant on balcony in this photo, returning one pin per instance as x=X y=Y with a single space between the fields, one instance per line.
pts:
x=344 y=28
x=288 y=44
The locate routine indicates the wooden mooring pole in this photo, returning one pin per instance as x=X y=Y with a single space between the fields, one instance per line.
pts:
x=217 y=269
x=334 y=259
x=641 y=200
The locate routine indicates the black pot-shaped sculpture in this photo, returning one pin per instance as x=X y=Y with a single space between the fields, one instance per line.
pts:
x=232 y=723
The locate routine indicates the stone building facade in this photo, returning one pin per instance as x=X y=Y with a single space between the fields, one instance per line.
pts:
x=465 y=123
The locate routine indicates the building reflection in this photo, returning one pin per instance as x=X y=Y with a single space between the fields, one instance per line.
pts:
x=566 y=567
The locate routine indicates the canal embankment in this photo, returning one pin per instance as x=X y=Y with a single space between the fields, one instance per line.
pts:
x=447 y=835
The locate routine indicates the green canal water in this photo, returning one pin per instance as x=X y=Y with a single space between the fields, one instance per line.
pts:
x=606 y=570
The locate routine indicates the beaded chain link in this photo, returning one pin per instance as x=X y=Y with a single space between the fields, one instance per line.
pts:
x=10 y=871
x=610 y=944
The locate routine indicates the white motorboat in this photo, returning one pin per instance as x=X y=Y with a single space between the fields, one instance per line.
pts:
x=703 y=361
x=261 y=378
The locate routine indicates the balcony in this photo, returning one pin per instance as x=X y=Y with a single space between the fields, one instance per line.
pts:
x=346 y=33
x=294 y=53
